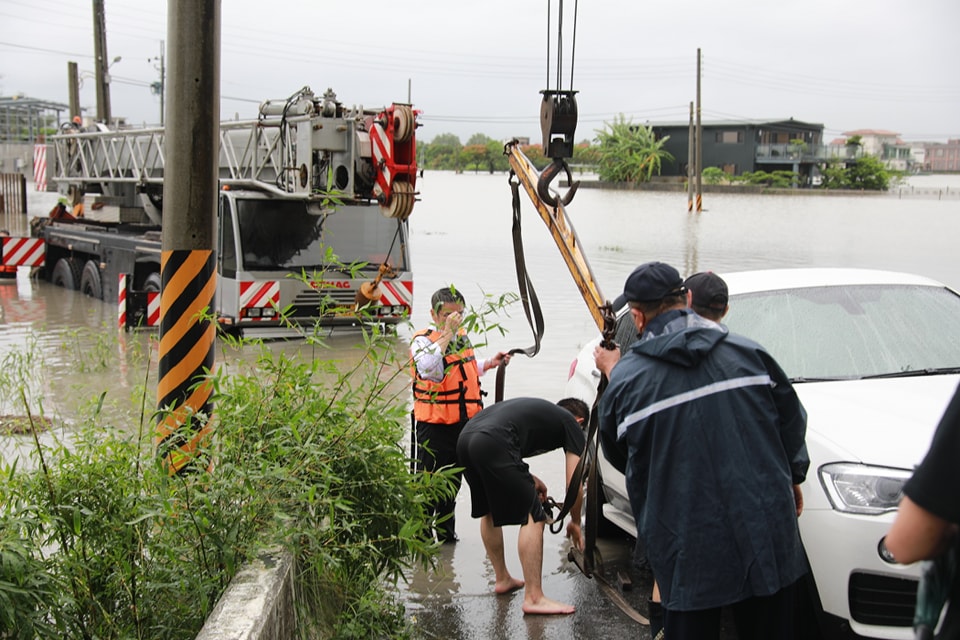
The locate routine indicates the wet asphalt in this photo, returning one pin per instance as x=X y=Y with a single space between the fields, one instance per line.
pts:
x=457 y=600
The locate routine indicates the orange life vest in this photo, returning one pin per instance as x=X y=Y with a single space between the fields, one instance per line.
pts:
x=457 y=397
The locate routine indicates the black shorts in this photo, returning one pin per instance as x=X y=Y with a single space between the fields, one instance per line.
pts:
x=499 y=479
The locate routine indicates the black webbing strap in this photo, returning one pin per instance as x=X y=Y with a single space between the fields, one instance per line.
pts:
x=586 y=468
x=592 y=507
x=528 y=296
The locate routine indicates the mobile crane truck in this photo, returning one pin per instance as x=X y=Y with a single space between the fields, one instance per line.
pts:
x=311 y=217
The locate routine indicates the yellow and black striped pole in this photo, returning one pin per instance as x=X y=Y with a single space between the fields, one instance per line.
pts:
x=187 y=338
x=188 y=262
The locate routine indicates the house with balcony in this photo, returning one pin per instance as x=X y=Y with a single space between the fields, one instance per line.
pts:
x=742 y=146
x=885 y=145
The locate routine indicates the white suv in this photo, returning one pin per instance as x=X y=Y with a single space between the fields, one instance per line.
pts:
x=875 y=358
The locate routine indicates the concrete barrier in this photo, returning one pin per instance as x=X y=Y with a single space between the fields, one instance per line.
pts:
x=258 y=603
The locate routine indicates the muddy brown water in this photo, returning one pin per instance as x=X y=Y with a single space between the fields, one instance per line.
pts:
x=65 y=348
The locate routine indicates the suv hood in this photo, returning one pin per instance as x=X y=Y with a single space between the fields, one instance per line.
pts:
x=886 y=422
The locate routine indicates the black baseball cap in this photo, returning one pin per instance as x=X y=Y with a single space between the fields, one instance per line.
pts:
x=708 y=289
x=650 y=282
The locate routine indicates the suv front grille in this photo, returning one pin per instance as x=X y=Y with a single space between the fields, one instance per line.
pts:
x=882 y=600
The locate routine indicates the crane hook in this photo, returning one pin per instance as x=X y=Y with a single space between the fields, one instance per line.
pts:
x=543 y=183
x=558 y=123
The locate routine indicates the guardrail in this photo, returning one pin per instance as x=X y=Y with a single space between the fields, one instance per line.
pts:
x=806 y=153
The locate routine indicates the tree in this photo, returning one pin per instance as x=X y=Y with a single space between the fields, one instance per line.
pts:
x=474 y=156
x=479 y=139
x=442 y=153
x=496 y=160
x=628 y=152
x=834 y=176
x=868 y=173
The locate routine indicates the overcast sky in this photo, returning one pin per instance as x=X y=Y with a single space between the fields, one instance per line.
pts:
x=478 y=67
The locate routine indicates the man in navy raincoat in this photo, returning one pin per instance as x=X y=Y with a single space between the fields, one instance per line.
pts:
x=710 y=435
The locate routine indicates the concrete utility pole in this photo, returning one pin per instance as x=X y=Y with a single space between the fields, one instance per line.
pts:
x=699 y=142
x=73 y=87
x=691 y=160
x=188 y=265
x=100 y=56
x=159 y=87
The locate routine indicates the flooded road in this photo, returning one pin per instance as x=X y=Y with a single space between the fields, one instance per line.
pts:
x=64 y=349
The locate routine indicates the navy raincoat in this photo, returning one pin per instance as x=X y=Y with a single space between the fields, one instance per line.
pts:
x=710 y=435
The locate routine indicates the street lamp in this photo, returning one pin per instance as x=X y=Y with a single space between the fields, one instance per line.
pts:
x=106 y=74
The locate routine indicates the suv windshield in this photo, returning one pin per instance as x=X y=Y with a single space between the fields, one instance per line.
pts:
x=281 y=235
x=853 y=331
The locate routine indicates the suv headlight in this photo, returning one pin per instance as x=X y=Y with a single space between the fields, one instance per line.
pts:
x=859 y=488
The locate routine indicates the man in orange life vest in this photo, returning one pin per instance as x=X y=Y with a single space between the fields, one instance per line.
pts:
x=446 y=393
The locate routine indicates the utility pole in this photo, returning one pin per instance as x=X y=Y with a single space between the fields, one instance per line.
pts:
x=699 y=168
x=73 y=87
x=691 y=160
x=188 y=265
x=100 y=55
x=159 y=87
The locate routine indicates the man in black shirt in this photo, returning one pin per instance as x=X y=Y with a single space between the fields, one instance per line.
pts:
x=928 y=520
x=503 y=491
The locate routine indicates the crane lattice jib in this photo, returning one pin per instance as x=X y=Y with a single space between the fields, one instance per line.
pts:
x=296 y=155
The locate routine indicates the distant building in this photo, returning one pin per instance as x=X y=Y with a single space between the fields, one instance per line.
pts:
x=942 y=157
x=885 y=145
x=741 y=146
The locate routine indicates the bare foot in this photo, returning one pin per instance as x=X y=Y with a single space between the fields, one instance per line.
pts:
x=547 y=607
x=508 y=586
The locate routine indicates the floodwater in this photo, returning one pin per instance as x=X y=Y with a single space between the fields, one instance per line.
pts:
x=65 y=348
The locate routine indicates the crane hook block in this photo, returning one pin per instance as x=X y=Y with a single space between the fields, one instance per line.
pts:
x=558 y=122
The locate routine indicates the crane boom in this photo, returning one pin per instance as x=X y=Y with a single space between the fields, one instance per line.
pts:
x=557 y=221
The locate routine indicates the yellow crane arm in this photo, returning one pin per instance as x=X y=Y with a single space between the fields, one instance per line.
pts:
x=555 y=217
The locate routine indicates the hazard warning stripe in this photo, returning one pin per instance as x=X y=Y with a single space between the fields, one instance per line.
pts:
x=186 y=356
x=153 y=308
x=382 y=150
x=40 y=166
x=23 y=252
x=122 y=302
x=397 y=292
x=263 y=295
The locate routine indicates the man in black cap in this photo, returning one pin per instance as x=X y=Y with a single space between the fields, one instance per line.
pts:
x=710 y=435
x=707 y=294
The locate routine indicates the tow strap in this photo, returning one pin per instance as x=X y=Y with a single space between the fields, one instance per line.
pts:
x=586 y=469
x=528 y=295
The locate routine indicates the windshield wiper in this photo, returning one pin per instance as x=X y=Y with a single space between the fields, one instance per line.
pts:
x=799 y=379
x=933 y=371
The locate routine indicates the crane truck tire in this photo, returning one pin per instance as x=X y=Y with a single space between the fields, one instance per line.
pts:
x=66 y=274
x=152 y=283
x=90 y=283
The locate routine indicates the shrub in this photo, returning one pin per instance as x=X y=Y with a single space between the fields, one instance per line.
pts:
x=99 y=542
